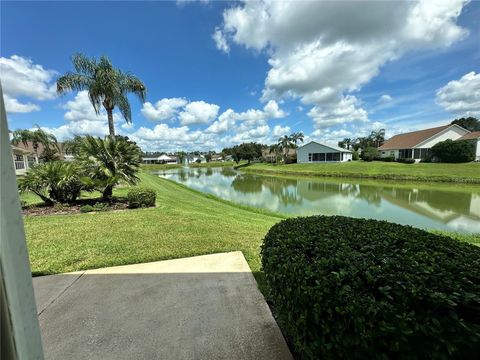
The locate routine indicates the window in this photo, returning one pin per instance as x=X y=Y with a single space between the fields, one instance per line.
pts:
x=405 y=153
x=336 y=156
x=329 y=156
x=18 y=157
x=416 y=153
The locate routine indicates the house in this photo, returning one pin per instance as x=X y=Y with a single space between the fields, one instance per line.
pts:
x=417 y=144
x=23 y=160
x=315 y=152
x=191 y=158
x=38 y=151
x=474 y=137
x=271 y=157
x=162 y=159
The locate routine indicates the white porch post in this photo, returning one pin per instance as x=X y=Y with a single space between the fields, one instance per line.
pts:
x=18 y=311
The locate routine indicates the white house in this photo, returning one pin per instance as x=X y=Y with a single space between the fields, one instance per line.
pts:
x=23 y=160
x=314 y=152
x=162 y=159
x=474 y=137
x=417 y=144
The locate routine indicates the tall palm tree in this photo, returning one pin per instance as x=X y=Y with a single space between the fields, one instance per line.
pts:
x=285 y=143
x=275 y=149
x=378 y=137
x=106 y=85
x=109 y=162
x=296 y=137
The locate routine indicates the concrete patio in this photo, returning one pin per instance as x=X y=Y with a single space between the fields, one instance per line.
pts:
x=204 y=307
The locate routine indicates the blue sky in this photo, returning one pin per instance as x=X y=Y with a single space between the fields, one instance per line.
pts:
x=219 y=73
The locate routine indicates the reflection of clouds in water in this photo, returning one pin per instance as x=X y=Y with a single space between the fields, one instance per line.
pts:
x=421 y=207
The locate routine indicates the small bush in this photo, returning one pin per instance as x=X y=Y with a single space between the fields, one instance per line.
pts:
x=406 y=160
x=450 y=151
x=369 y=154
x=355 y=155
x=100 y=206
x=141 y=197
x=356 y=288
x=86 y=208
x=390 y=158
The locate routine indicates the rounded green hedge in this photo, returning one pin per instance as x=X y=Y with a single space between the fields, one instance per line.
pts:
x=355 y=288
x=141 y=197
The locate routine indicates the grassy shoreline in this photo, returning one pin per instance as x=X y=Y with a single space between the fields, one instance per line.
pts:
x=185 y=223
x=424 y=172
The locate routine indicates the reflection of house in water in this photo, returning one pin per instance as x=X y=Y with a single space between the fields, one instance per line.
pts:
x=316 y=190
x=449 y=207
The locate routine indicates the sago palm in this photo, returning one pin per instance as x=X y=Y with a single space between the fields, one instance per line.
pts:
x=109 y=161
x=107 y=86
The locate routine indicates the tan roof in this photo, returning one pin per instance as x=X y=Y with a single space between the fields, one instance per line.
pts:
x=472 y=135
x=20 y=150
x=409 y=140
x=29 y=147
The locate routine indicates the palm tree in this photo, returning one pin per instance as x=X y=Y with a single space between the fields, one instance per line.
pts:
x=106 y=85
x=109 y=161
x=275 y=149
x=51 y=148
x=296 y=137
x=285 y=143
x=346 y=143
x=378 y=137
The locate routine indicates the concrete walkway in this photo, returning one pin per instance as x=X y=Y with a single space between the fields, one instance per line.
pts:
x=204 y=307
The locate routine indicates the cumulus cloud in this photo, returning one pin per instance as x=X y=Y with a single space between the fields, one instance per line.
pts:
x=385 y=99
x=461 y=97
x=163 y=109
x=198 y=112
x=280 y=131
x=22 y=78
x=14 y=106
x=321 y=51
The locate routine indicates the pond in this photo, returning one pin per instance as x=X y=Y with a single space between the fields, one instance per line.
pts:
x=438 y=206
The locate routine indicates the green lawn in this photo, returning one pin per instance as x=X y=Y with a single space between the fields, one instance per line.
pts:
x=465 y=173
x=184 y=223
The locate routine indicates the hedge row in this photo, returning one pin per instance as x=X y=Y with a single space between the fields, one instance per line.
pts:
x=356 y=288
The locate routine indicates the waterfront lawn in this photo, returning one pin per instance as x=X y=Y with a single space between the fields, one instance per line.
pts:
x=184 y=223
x=468 y=172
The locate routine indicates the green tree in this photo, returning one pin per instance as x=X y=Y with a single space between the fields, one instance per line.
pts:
x=107 y=86
x=37 y=137
x=285 y=143
x=469 y=123
x=377 y=138
x=109 y=161
x=297 y=137
x=450 y=151
x=346 y=143
x=275 y=149
x=370 y=153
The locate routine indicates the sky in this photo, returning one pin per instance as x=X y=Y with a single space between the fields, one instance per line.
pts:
x=221 y=73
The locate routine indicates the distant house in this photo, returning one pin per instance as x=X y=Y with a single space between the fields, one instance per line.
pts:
x=417 y=144
x=28 y=146
x=162 y=159
x=23 y=160
x=196 y=158
x=474 y=137
x=315 y=152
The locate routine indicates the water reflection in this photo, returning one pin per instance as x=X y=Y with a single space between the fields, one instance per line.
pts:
x=415 y=204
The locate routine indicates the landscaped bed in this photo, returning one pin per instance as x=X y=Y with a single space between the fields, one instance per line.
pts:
x=430 y=172
x=81 y=206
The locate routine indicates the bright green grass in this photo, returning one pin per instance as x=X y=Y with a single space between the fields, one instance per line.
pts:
x=153 y=167
x=469 y=172
x=184 y=223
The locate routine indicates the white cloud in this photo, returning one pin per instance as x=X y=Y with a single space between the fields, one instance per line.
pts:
x=280 y=131
x=163 y=109
x=198 y=112
x=461 y=97
x=14 y=106
x=385 y=99
x=320 y=51
x=81 y=109
x=22 y=78
x=272 y=110
x=220 y=41
x=80 y=127
x=344 y=111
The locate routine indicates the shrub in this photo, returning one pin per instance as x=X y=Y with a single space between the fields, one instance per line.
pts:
x=56 y=181
x=389 y=158
x=141 y=197
x=355 y=288
x=355 y=155
x=86 y=208
x=406 y=160
x=369 y=154
x=100 y=206
x=450 y=151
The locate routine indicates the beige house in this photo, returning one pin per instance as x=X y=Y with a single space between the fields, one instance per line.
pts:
x=23 y=160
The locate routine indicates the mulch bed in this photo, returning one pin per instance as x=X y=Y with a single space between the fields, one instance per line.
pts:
x=64 y=209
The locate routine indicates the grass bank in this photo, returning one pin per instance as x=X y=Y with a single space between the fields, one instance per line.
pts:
x=184 y=223
x=153 y=167
x=433 y=172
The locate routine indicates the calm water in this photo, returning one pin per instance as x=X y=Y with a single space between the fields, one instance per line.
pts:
x=446 y=207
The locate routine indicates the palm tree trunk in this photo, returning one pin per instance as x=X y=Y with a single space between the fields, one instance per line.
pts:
x=107 y=193
x=111 y=127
